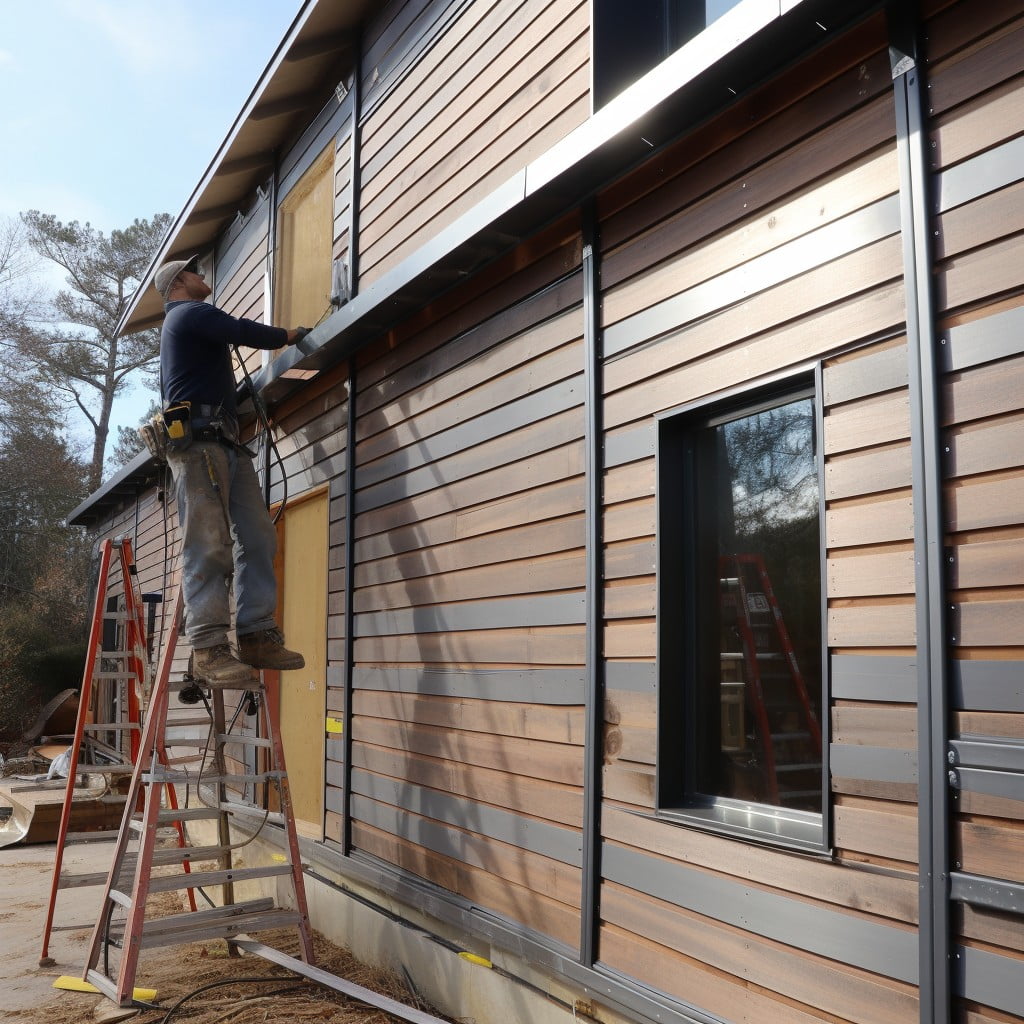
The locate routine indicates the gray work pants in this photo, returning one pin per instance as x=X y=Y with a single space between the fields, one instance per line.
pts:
x=225 y=530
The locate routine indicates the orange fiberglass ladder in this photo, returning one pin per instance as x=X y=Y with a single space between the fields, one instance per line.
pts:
x=208 y=772
x=776 y=693
x=116 y=681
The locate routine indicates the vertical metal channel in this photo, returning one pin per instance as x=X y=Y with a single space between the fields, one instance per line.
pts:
x=932 y=671
x=350 y=618
x=355 y=178
x=593 y=669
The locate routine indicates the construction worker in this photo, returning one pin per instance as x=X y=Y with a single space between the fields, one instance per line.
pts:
x=225 y=528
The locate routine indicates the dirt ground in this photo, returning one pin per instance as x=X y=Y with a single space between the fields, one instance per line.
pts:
x=175 y=972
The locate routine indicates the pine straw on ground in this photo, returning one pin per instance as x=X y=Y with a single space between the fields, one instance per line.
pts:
x=177 y=971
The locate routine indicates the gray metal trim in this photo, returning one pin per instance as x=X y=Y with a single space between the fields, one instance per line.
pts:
x=314 y=140
x=355 y=170
x=849 y=233
x=453 y=816
x=558 y=686
x=889 y=951
x=350 y=589
x=996 y=752
x=987 y=685
x=509 y=613
x=875 y=764
x=883 y=678
x=635 y=443
x=425 y=451
x=593 y=753
x=1008 y=785
x=998 y=336
x=916 y=188
x=988 y=978
x=981 y=891
x=992 y=170
x=639 y=676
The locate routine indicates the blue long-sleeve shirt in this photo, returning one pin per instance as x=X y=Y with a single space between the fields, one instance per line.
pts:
x=195 y=352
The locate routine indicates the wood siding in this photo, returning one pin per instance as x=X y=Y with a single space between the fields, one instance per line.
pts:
x=500 y=86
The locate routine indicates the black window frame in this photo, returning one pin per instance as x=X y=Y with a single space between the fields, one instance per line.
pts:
x=677 y=622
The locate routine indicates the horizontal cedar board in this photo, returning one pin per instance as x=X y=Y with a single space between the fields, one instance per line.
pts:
x=980 y=222
x=875 y=725
x=631 y=639
x=631 y=709
x=553 y=801
x=987 y=563
x=527 y=721
x=991 y=848
x=513 y=451
x=983 y=391
x=628 y=520
x=868 y=575
x=876 y=830
x=512 y=864
x=887 y=625
x=980 y=502
x=537 y=759
x=525 y=905
x=978 y=125
x=868 y=421
x=539 y=645
x=485 y=354
x=990 y=623
x=692 y=363
x=994 y=928
x=870 y=522
x=664 y=970
x=405 y=239
x=504 y=298
x=552 y=501
x=870 y=472
x=630 y=784
x=979 y=275
x=624 y=483
x=630 y=601
x=763 y=964
x=962 y=76
x=889 y=896
x=760 y=125
x=532 y=576
x=553 y=465
x=751 y=300
x=986 y=446
x=556 y=535
x=237 y=293
x=622 y=560
x=867 y=371
x=397 y=426
x=718 y=233
x=454 y=124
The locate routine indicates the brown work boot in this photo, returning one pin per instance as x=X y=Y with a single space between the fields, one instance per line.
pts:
x=266 y=649
x=216 y=666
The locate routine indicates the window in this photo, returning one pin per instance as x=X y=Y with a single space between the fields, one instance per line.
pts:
x=741 y=650
x=305 y=241
x=630 y=38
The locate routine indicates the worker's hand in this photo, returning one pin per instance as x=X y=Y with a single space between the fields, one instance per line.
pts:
x=297 y=334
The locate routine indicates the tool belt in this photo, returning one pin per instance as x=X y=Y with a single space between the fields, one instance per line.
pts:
x=174 y=429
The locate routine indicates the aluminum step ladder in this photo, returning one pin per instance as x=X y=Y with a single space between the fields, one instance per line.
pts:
x=115 y=683
x=228 y=757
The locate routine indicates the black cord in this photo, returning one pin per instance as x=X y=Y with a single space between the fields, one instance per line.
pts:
x=171 y=1010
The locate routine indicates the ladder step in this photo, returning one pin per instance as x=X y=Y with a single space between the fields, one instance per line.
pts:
x=83 y=879
x=166 y=775
x=114 y=675
x=187 y=854
x=109 y=726
x=233 y=807
x=169 y=816
x=200 y=879
x=102 y=983
x=218 y=923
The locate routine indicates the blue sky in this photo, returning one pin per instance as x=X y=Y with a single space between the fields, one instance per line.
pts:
x=112 y=109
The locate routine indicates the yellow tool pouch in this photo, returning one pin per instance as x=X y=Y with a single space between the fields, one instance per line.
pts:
x=171 y=428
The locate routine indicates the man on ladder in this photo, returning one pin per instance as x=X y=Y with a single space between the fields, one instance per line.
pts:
x=224 y=523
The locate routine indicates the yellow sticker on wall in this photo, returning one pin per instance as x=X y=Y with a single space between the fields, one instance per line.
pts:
x=335 y=725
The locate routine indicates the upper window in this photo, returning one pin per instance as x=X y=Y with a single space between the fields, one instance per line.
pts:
x=305 y=232
x=741 y=652
x=630 y=38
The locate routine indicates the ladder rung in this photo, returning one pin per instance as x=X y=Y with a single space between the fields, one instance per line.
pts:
x=91 y=837
x=117 y=654
x=114 y=675
x=102 y=983
x=154 y=925
x=251 y=741
x=219 y=927
x=177 y=723
x=165 y=775
x=187 y=854
x=82 y=879
x=120 y=898
x=109 y=726
x=232 y=807
x=254 y=684
x=199 y=879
